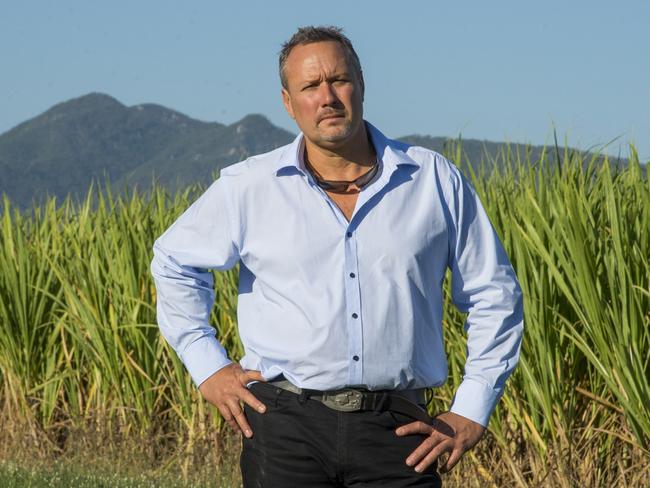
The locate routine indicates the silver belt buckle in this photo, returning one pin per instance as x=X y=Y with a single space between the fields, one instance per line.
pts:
x=345 y=401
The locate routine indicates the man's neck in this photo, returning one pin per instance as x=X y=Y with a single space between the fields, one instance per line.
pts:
x=342 y=164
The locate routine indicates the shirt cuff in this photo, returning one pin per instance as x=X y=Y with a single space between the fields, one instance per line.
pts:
x=475 y=400
x=203 y=358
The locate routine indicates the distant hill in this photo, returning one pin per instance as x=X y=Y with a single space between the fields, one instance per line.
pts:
x=95 y=137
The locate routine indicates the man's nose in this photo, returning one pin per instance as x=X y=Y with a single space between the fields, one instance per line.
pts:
x=327 y=94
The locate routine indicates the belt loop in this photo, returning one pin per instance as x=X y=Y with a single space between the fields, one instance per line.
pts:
x=278 y=392
x=379 y=408
x=303 y=396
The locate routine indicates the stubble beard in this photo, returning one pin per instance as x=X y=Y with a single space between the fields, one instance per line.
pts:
x=338 y=133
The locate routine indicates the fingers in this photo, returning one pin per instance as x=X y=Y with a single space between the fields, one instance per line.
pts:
x=252 y=375
x=233 y=414
x=437 y=451
x=454 y=457
x=240 y=418
x=229 y=417
x=248 y=398
x=414 y=428
x=245 y=395
x=431 y=445
x=226 y=388
x=437 y=443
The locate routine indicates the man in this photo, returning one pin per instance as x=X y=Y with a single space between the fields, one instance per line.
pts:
x=343 y=238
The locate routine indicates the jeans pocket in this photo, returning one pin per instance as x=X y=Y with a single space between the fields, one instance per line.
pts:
x=401 y=418
x=268 y=394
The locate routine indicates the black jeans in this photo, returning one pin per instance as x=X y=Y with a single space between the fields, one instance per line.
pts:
x=302 y=443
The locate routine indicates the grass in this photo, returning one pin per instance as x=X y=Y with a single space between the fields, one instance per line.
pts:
x=16 y=476
x=83 y=368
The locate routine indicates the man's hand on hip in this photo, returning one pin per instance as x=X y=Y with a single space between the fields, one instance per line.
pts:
x=226 y=388
x=449 y=432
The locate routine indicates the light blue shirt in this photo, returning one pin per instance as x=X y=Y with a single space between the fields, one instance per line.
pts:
x=331 y=303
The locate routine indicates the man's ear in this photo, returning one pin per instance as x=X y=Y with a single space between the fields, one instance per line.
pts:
x=363 y=86
x=286 y=100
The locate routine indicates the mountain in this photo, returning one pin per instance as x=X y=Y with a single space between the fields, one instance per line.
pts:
x=95 y=137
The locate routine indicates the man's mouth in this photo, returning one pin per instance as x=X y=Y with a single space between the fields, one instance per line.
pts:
x=331 y=116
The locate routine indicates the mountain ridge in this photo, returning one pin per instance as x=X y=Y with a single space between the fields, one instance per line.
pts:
x=95 y=137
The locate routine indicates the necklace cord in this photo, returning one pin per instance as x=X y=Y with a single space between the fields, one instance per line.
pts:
x=339 y=186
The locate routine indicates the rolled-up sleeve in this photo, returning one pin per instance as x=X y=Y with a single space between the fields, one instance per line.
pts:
x=201 y=239
x=485 y=286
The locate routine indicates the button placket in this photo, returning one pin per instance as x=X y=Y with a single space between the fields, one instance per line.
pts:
x=354 y=319
x=353 y=306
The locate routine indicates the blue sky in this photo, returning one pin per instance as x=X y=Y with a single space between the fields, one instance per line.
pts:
x=489 y=70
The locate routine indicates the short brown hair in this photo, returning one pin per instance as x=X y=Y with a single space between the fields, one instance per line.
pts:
x=311 y=34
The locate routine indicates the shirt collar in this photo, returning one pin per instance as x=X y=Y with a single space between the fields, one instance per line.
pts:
x=391 y=153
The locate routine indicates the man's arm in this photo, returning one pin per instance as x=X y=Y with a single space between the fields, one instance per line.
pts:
x=484 y=285
x=202 y=238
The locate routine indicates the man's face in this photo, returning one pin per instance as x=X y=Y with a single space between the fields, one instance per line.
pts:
x=324 y=94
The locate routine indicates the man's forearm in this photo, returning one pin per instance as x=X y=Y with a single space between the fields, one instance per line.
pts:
x=185 y=297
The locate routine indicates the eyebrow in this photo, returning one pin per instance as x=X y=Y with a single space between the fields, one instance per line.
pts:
x=342 y=74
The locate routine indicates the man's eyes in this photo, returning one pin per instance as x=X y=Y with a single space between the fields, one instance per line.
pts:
x=338 y=81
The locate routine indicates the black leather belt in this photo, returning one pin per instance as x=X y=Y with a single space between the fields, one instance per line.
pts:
x=355 y=399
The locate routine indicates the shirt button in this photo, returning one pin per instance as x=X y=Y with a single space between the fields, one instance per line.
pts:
x=354 y=315
x=352 y=275
x=356 y=358
x=349 y=234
